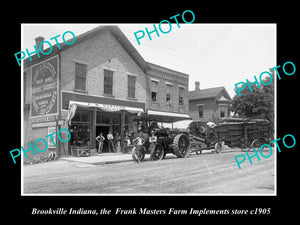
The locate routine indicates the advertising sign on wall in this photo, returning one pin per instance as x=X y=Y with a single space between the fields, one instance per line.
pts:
x=50 y=142
x=44 y=95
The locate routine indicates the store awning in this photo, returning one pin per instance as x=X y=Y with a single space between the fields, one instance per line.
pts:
x=167 y=117
x=108 y=107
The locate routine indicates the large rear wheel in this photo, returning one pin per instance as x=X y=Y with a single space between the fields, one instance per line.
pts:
x=181 y=145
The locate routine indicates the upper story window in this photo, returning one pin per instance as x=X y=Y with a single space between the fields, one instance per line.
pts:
x=168 y=94
x=200 y=110
x=108 y=82
x=154 y=85
x=131 y=86
x=80 y=76
x=181 y=95
x=222 y=111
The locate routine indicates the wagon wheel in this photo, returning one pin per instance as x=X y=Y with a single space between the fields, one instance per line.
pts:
x=219 y=146
x=257 y=143
x=202 y=129
x=245 y=145
x=158 y=153
x=181 y=145
x=244 y=148
x=138 y=154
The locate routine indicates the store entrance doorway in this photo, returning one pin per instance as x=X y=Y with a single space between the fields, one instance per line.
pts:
x=104 y=129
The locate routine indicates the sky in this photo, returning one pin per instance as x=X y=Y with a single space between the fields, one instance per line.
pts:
x=213 y=54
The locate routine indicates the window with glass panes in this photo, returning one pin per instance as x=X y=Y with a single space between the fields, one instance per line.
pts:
x=108 y=82
x=169 y=94
x=131 y=86
x=80 y=76
x=222 y=111
x=200 y=110
x=154 y=85
x=181 y=93
x=80 y=128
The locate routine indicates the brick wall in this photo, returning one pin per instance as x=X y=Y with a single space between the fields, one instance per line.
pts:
x=209 y=109
x=165 y=78
x=102 y=52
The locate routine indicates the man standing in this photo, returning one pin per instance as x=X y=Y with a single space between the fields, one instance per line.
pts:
x=152 y=141
x=100 y=139
x=117 y=142
x=110 y=139
x=139 y=142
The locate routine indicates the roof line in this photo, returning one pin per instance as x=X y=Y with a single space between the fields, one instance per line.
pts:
x=209 y=88
x=114 y=30
x=166 y=68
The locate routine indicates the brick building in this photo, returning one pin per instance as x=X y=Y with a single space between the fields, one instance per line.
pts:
x=209 y=104
x=108 y=81
x=167 y=93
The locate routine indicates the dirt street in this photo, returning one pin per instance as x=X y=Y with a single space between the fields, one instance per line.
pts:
x=199 y=174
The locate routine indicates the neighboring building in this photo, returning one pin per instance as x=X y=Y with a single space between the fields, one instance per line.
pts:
x=209 y=104
x=107 y=80
x=167 y=94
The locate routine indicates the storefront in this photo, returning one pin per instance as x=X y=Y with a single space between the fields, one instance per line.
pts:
x=106 y=80
x=93 y=115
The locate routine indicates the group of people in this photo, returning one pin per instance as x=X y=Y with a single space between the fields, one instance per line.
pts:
x=114 y=143
x=140 y=141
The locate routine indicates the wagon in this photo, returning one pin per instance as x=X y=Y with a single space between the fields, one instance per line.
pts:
x=243 y=133
x=203 y=137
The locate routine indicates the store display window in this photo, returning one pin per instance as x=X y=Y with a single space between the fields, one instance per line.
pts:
x=81 y=128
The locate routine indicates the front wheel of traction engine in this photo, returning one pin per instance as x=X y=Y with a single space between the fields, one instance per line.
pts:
x=181 y=145
x=138 y=154
x=158 y=153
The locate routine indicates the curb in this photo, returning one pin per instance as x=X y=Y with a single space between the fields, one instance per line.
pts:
x=112 y=162
x=101 y=161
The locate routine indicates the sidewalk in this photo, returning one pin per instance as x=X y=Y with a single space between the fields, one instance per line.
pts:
x=108 y=158
x=104 y=158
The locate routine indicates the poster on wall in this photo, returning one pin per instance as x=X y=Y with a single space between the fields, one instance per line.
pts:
x=44 y=93
x=50 y=142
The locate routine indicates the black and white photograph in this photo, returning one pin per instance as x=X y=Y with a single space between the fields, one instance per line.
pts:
x=149 y=115
x=130 y=109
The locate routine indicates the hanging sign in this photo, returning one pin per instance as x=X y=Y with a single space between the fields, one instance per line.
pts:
x=108 y=107
x=44 y=88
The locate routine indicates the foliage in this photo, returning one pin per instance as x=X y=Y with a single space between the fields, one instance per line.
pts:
x=258 y=104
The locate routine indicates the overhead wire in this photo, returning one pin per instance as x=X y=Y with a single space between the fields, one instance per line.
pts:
x=185 y=56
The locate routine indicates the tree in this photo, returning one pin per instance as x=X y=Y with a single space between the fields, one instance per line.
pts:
x=259 y=103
